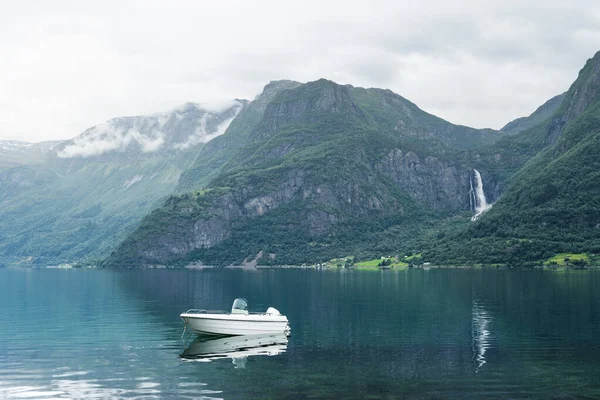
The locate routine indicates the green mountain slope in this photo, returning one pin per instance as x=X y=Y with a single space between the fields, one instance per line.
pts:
x=543 y=113
x=328 y=170
x=553 y=204
x=74 y=200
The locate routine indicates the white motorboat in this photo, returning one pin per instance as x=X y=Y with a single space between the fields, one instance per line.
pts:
x=238 y=322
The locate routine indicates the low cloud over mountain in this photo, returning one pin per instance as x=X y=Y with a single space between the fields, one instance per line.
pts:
x=179 y=129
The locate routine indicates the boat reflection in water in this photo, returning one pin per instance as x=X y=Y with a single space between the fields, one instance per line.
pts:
x=238 y=348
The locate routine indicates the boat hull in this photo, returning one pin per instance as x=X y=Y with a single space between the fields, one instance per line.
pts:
x=231 y=324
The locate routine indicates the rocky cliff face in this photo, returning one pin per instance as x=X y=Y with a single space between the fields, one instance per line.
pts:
x=427 y=179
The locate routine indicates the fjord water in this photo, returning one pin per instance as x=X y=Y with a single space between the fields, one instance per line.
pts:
x=355 y=334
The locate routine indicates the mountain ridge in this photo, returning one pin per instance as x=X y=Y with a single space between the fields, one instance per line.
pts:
x=323 y=156
x=541 y=114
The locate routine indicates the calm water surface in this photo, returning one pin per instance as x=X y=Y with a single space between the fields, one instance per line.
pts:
x=388 y=334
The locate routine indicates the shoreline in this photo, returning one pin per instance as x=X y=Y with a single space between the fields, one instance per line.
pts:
x=321 y=267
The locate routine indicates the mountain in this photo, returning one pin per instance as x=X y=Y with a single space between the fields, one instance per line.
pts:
x=219 y=150
x=540 y=115
x=179 y=129
x=72 y=200
x=553 y=203
x=14 y=152
x=312 y=172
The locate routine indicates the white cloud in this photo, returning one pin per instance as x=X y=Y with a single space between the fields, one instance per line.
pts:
x=183 y=127
x=220 y=130
x=68 y=65
x=202 y=134
x=216 y=106
x=113 y=135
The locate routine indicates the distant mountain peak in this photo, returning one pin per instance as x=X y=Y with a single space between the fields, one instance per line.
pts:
x=184 y=127
x=276 y=86
x=280 y=83
x=586 y=88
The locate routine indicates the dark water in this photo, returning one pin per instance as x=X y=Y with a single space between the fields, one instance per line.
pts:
x=388 y=334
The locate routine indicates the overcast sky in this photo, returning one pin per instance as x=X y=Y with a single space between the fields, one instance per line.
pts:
x=68 y=65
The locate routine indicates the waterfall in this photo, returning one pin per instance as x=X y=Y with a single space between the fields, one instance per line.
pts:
x=477 y=196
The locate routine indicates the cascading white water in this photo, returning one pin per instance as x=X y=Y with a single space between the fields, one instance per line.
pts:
x=481 y=201
x=478 y=200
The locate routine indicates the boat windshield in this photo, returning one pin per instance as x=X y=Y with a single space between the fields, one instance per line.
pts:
x=240 y=306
